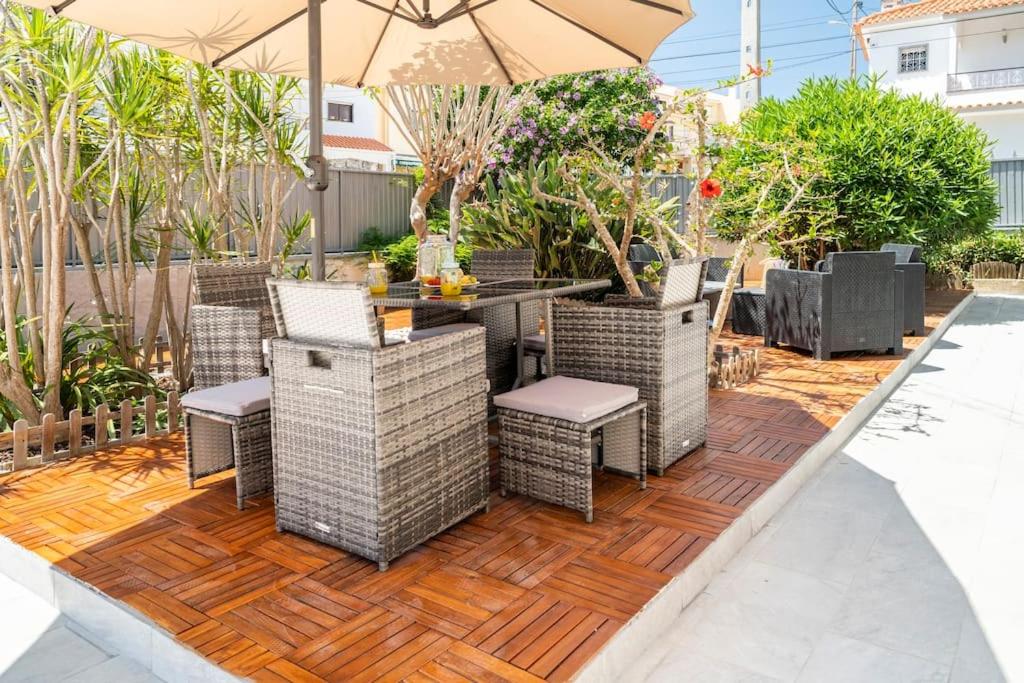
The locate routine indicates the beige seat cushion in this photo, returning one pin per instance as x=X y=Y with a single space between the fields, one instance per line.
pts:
x=431 y=332
x=238 y=399
x=569 y=398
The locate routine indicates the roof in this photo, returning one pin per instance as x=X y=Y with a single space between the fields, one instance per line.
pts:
x=925 y=8
x=355 y=142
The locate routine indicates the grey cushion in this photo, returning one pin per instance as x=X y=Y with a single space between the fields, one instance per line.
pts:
x=430 y=332
x=238 y=399
x=535 y=342
x=569 y=398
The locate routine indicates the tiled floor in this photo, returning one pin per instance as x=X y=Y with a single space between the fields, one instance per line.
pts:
x=527 y=590
x=38 y=644
x=902 y=560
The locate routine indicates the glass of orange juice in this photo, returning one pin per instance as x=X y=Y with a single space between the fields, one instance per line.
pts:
x=377 y=279
x=451 y=279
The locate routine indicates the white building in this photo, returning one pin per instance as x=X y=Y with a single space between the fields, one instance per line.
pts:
x=357 y=131
x=967 y=53
x=721 y=108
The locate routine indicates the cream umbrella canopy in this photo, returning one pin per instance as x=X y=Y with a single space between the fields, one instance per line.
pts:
x=382 y=42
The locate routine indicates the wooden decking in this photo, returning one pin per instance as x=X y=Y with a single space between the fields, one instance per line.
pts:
x=525 y=591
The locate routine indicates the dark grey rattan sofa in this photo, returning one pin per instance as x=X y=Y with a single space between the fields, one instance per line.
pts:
x=855 y=303
x=908 y=260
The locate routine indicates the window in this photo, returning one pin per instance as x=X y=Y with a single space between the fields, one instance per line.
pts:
x=337 y=111
x=913 y=59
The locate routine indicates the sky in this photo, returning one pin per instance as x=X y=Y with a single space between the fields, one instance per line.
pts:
x=821 y=34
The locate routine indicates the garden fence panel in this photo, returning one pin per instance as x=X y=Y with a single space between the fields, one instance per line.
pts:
x=673 y=185
x=1009 y=177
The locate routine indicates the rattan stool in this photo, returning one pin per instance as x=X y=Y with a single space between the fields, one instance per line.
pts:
x=552 y=458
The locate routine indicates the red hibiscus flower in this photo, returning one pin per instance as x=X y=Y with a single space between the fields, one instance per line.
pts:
x=648 y=120
x=756 y=71
x=710 y=188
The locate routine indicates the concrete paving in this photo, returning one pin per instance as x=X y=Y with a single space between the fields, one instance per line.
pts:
x=902 y=559
x=38 y=644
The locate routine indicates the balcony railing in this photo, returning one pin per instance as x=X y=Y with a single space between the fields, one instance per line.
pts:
x=986 y=80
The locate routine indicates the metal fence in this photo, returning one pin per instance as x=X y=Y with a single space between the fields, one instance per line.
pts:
x=358 y=200
x=1009 y=176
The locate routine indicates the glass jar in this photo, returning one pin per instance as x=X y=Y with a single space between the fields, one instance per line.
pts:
x=377 y=279
x=432 y=253
x=451 y=279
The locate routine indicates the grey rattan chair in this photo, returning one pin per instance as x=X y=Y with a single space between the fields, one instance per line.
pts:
x=377 y=449
x=908 y=261
x=658 y=345
x=854 y=303
x=243 y=285
x=227 y=350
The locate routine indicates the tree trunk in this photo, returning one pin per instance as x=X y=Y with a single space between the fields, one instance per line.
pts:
x=460 y=193
x=418 y=209
x=12 y=382
x=739 y=259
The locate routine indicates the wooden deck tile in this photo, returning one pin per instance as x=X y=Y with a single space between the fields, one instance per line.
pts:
x=525 y=592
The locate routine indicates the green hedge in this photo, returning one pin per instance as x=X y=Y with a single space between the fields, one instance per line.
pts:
x=954 y=260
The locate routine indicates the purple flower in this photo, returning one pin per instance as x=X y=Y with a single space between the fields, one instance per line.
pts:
x=529 y=135
x=564 y=130
x=576 y=96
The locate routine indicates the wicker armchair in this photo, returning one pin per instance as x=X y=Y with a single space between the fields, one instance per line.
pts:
x=657 y=344
x=236 y=284
x=230 y=319
x=377 y=449
x=854 y=303
x=908 y=261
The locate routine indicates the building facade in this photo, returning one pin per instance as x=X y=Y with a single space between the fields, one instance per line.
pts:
x=969 y=54
x=721 y=108
x=358 y=133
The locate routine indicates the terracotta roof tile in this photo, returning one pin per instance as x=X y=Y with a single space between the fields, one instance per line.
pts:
x=924 y=8
x=355 y=142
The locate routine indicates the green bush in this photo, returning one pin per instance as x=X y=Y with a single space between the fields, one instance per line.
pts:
x=510 y=216
x=954 y=260
x=898 y=168
x=94 y=371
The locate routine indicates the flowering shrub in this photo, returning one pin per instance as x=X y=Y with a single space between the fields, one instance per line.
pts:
x=607 y=107
x=710 y=188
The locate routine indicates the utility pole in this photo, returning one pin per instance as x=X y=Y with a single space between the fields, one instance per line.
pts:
x=854 y=10
x=750 y=52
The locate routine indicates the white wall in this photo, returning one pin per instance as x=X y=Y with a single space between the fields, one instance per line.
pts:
x=365 y=115
x=885 y=50
x=981 y=46
x=1005 y=129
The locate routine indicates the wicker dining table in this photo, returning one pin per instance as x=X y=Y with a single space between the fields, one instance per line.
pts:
x=492 y=293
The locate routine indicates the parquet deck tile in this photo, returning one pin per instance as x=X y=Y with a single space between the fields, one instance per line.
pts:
x=524 y=592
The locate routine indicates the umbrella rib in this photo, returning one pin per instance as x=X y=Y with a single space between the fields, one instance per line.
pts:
x=490 y=46
x=463 y=7
x=393 y=12
x=61 y=6
x=258 y=37
x=376 y=46
x=589 y=30
x=658 y=5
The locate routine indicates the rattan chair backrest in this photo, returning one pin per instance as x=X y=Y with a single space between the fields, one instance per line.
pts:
x=683 y=283
x=503 y=264
x=905 y=253
x=329 y=313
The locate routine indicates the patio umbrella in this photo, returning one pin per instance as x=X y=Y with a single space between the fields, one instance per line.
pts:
x=380 y=42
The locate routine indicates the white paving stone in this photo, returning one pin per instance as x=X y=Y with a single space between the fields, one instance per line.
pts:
x=901 y=559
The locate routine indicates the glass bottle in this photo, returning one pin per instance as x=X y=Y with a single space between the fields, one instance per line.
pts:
x=451 y=278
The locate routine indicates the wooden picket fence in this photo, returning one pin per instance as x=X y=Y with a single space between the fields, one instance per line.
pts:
x=50 y=433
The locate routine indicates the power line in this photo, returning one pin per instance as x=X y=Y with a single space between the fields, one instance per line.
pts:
x=782 y=26
x=733 y=64
x=819 y=40
x=816 y=59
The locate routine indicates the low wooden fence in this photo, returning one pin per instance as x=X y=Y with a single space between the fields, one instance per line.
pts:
x=50 y=433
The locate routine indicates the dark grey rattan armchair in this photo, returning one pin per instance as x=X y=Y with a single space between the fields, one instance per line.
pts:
x=243 y=285
x=854 y=303
x=908 y=261
x=657 y=344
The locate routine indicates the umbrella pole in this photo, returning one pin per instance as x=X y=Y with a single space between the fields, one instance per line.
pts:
x=317 y=179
